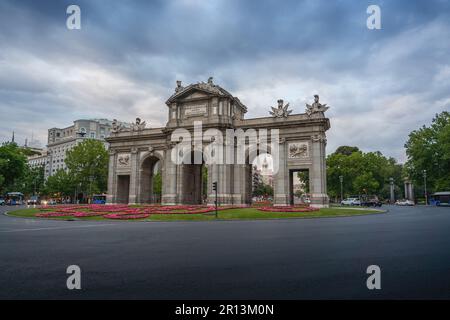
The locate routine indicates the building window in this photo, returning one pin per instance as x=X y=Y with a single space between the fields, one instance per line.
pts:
x=93 y=135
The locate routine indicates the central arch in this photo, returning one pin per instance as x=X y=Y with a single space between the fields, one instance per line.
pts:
x=252 y=154
x=150 y=180
x=192 y=177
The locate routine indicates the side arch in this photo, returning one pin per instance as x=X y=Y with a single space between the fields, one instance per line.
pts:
x=148 y=165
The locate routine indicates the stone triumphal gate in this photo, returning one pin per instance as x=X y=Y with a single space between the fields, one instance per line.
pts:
x=136 y=151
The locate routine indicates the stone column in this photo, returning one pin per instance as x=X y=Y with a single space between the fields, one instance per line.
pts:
x=318 y=174
x=238 y=184
x=409 y=191
x=169 y=194
x=281 y=178
x=391 y=189
x=134 y=179
x=112 y=183
x=224 y=183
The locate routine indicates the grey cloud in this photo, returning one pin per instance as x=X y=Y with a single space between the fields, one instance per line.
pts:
x=127 y=56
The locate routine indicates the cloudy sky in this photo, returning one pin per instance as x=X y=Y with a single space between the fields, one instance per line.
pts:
x=124 y=62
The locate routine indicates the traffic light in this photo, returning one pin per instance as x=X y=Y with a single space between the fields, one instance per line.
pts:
x=214 y=186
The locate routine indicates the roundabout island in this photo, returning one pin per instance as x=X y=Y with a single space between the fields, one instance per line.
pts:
x=183 y=212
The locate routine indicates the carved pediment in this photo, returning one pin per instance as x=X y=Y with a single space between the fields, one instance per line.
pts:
x=190 y=94
x=194 y=94
x=199 y=91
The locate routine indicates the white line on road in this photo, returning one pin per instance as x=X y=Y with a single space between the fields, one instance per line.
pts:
x=56 y=228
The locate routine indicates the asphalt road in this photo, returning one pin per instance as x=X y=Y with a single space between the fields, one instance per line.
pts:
x=271 y=259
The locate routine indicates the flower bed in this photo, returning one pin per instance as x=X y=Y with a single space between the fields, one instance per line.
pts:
x=122 y=211
x=126 y=216
x=125 y=212
x=289 y=209
x=53 y=214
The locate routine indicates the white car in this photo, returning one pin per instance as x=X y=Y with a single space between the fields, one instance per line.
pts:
x=404 y=203
x=351 y=202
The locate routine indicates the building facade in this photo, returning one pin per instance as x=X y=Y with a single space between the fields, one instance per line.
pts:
x=38 y=160
x=296 y=142
x=61 y=140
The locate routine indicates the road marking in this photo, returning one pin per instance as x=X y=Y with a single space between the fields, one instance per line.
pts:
x=56 y=228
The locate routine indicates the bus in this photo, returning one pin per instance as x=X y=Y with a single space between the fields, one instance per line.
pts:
x=99 y=199
x=440 y=198
x=14 y=198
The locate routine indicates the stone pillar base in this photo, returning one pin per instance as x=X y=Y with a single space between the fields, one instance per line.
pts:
x=281 y=200
x=109 y=199
x=169 y=200
x=223 y=199
x=319 y=200
x=132 y=199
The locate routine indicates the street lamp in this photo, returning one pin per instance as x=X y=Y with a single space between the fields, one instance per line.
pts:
x=341 y=179
x=425 y=186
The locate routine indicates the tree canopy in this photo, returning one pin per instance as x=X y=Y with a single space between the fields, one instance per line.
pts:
x=31 y=182
x=60 y=184
x=428 y=148
x=363 y=173
x=87 y=163
x=12 y=165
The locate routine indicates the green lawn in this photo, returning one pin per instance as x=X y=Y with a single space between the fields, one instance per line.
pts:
x=229 y=214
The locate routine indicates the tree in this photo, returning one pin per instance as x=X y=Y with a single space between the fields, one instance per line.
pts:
x=304 y=178
x=428 y=148
x=263 y=189
x=60 y=184
x=12 y=164
x=346 y=150
x=259 y=188
x=363 y=173
x=157 y=183
x=366 y=184
x=205 y=181
x=87 y=163
x=31 y=182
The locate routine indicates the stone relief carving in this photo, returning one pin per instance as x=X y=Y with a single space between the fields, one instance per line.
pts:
x=281 y=111
x=316 y=107
x=123 y=160
x=319 y=138
x=298 y=150
x=195 y=110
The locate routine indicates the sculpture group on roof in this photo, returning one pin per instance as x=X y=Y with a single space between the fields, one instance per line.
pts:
x=138 y=125
x=282 y=110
